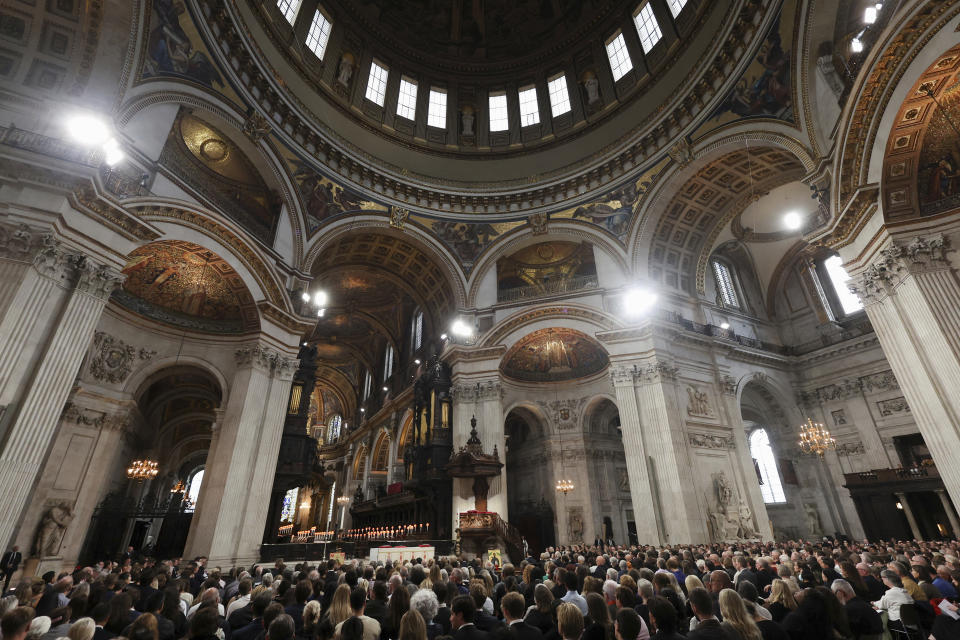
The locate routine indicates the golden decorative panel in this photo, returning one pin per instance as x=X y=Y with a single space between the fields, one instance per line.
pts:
x=554 y=355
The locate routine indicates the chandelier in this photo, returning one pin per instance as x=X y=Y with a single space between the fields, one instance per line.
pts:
x=815 y=438
x=564 y=486
x=343 y=501
x=141 y=470
x=179 y=487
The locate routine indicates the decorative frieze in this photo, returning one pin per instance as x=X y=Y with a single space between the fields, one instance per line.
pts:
x=112 y=359
x=710 y=441
x=98 y=419
x=893 y=406
x=478 y=392
x=647 y=372
x=884 y=381
x=848 y=388
x=847 y=449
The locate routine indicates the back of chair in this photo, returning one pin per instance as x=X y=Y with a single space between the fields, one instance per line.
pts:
x=909 y=617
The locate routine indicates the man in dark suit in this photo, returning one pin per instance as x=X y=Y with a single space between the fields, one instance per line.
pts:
x=744 y=572
x=100 y=615
x=483 y=620
x=443 y=613
x=513 y=606
x=863 y=618
x=9 y=565
x=256 y=626
x=708 y=627
x=295 y=610
x=377 y=606
x=463 y=612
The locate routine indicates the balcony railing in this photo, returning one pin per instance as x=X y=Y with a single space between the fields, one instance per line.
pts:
x=566 y=285
x=900 y=474
x=53 y=147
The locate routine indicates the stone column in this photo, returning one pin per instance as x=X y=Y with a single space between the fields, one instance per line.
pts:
x=71 y=290
x=622 y=375
x=912 y=297
x=907 y=511
x=232 y=509
x=746 y=472
x=367 y=465
x=951 y=513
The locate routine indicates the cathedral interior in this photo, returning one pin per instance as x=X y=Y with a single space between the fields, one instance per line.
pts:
x=475 y=272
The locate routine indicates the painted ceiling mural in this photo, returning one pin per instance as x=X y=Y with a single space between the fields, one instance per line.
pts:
x=939 y=167
x=554 y=355
x=175 y=48
x=546 y=267
x=322 y=199
x=183 y=284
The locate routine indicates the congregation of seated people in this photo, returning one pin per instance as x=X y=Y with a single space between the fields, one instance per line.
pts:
x=773 y=591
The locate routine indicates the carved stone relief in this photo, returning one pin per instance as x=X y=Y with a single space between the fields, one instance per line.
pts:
x=710 y=441
x=49 y=536
x=731 y=518
x=893 y=406
x=112 y=359
x=698 y=404
x=564 y=413
x=850 y=449
x=575 y=524
x=839 y=417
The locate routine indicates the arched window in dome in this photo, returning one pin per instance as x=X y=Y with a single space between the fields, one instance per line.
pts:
x=559 y=95
x=647 y=27
x=771 y=487
x=319 y=34
x=849 y=301
x=529 y=109
x=336 y=422
x=407 y=99
x=676 y=6
x=499 y=118
x=437 y=110
x=725 y=285
x=367 y=385
x=620 y=62
x=289 y=9
x=193 y=487
x=377 y=83
x=388 y=362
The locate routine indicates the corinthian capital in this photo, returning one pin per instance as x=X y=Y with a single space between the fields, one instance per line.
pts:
x=22 y=243
x=95 y=279
x=266 y=359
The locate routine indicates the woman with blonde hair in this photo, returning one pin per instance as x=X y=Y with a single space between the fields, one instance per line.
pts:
x=340 y=606
x=569 y=621
x=82 y=629
x=781 y=600
x=692 y=582
x=412 y=626
x=736 y=620
x=311 y=621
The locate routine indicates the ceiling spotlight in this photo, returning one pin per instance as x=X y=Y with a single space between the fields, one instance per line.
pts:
x=385 y=389
x=320 y=312
x=112 y=153
x=856 y=45
x=638 y=301
x=305 y=296
x=724 y=325
x=304 y=344
x=417 y=361
x=320 y=298
x=87 y=130
x=362 y=410
x=870 y=15
x=443 y=336
x=792 y=221
x=460 y=328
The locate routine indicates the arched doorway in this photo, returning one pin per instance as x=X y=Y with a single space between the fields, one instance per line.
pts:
x=609 y=486
x=528 y=481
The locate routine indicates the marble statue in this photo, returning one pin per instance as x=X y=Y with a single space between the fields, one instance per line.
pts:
x=699 y=402
x=724 y=491
x=51 y=530
x=746 y=521
x=575 y=526
x=592 y=87
x=345 y=71
x=467 y=119
x=813 y=519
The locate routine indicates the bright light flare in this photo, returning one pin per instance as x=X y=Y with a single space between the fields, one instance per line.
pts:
x=793 y=221
x=88 y=130
x=638 y=301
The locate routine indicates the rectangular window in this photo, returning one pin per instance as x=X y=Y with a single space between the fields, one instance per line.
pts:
x=388 y=363
x=319 y=34
x=725 y=284
x=849 y=301
x=559 y=98
x=289 y=9
x=647 y=27
x=676 y=6
x=377 y=83
x=529 y=109
x=367 y=385
x=437 y=111
x=407 y=100
x=499 y=120
x=620 y=62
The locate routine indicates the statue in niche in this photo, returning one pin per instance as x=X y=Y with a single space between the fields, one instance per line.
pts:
x=699 y=404
x=358 y=496
x=746 y=521
x=466 y=119
x=623 y=482
x=345 y=70
x=592 y=86
x=813 y=519
x=575 y=525
x=52 y=528
x=724 y=491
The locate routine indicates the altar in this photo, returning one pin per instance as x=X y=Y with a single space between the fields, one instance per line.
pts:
x=390 y=553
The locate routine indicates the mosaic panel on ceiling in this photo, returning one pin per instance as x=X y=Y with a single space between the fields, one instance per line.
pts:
x=554 y=355
x=49 y=45
x=765 y=89
x=716 y=192
x=186 y=285
x=939 y=172
x=211 y=164
x=466 y=240
x=398 y=257
x=174 y=48
x=546 y=267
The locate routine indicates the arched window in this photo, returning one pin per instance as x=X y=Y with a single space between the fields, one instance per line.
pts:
x=849 y=302
x=193 y=487
x=725 y=286
x=771 y=488
x=335 y=423
x=416 y=330
x=388 y=363
x=367 y=384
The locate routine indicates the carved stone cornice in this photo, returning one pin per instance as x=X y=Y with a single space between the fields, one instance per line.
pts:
x=898 y=260
x=112 y=360
x=85 y=198
x=260 y=357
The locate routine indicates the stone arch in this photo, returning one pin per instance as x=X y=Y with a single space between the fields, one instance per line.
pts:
x=676 y=225
x=514 y=327
x=418 y=240
x=381 y=453
x=594 y=405
x=195 y=98
x=524 y=236
x=406 y=431
x=185 y=221
x=359 y=462
x=904 y=50
x=152 y=370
